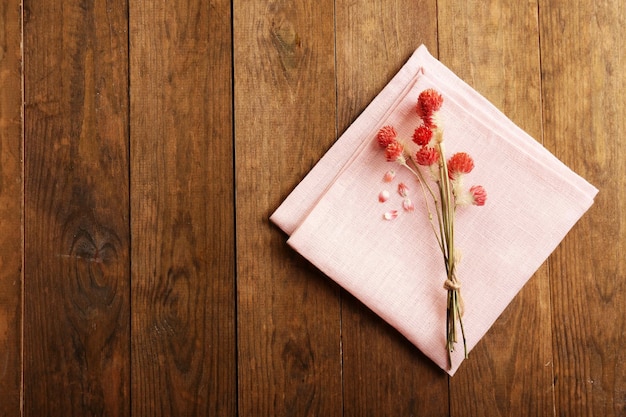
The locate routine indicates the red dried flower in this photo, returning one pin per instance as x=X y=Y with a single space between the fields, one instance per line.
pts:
x=386 y=135
x=422 y=135
x=427 y=156
x=460 y=163
x=479 y=195
x=394 y=151
x=428 y=102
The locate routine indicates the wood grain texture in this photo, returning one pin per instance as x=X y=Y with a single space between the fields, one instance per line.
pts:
x=76 y=219
x=183 y=320
x=383 y=374
x=583 y=59
x=288 y=312
x=493 y=46
x=158 y=137
x=10 y=208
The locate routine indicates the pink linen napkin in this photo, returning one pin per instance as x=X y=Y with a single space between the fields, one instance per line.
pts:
x=335 y=220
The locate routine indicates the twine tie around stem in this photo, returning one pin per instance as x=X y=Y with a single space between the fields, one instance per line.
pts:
x=455 y=285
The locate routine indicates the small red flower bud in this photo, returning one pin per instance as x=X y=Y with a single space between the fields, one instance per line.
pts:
x=428 y=102
x=427 y=156
x=422 y=135
x=386 y=135
x=479 y=195
x=460 y=163
x=394 y=151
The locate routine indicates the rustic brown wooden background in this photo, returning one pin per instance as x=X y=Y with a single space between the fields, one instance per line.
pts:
x=144 y=145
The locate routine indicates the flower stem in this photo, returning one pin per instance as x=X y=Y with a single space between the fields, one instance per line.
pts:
x=420 y=179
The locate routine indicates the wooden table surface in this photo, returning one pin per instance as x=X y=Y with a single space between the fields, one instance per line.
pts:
x=144 y=145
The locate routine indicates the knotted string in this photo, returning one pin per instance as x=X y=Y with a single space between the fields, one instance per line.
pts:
x=453 y=284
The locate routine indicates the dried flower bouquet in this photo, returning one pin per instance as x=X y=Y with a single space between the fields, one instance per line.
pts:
x=429 y=165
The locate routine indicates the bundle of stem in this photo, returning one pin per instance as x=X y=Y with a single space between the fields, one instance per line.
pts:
x=452 y=285
x=445 y=209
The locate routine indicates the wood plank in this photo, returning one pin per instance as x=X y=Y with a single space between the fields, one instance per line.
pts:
x=76 y=231
x=10 y=208
x=288 y=312
x=183 y=319
x=493 y=46
x=374 y=39
x=583 y=59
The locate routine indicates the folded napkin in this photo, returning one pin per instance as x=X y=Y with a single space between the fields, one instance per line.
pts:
x=395 y=267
